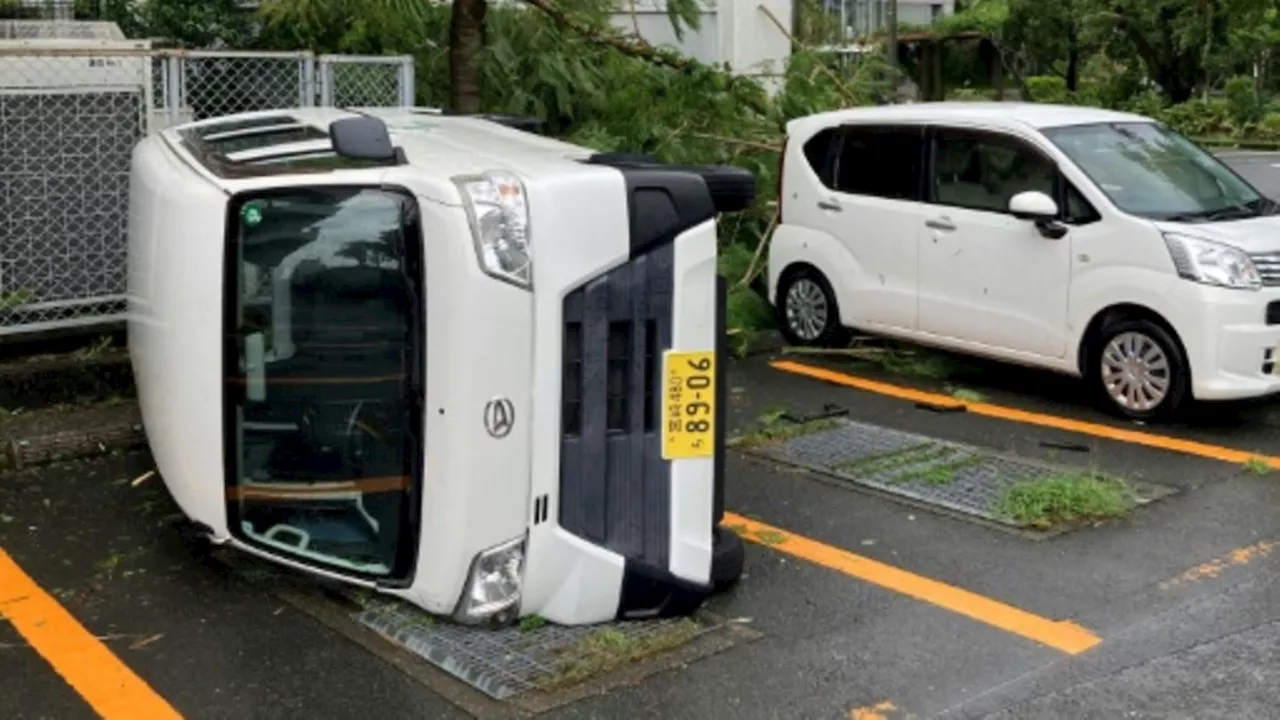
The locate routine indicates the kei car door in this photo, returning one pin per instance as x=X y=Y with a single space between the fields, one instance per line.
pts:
x=985 y=276
x=323 y=363
x=872 y=203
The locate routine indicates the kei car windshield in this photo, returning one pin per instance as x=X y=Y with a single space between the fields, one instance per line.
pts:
x=1150 y=171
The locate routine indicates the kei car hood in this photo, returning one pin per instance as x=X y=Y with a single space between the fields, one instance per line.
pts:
x=1252 y=235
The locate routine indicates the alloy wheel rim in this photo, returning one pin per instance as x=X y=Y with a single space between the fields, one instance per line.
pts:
x=807 y=309
x=1136 y=372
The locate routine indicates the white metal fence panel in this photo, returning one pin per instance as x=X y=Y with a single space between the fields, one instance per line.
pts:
x=69 y=119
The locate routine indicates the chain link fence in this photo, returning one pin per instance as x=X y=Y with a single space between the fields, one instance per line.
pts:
x=69 y=118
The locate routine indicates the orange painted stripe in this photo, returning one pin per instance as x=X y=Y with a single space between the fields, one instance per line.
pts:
x=1134 y=437
x=101 y=678
x=1061 y=635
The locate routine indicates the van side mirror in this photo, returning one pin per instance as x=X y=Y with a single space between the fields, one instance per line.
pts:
x=1039 y=208
x=364 y=138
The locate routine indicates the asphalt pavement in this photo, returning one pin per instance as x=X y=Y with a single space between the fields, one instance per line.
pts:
x=897 y=613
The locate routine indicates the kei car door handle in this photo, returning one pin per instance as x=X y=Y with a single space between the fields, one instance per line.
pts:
x=831 y=205
x=940 y=224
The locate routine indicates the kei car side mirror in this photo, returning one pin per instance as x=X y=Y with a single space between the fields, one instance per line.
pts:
x=1039 y=208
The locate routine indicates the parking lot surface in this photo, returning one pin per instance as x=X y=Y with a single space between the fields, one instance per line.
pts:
x=867 y=607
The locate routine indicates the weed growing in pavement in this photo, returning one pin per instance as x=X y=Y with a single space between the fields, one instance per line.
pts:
x=1257 y=466
x=531 y=623
x=608 y=648
x=773 y=429
x=966 y=395
x=1065 y=499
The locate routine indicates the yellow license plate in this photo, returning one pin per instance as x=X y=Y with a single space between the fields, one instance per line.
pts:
x=689 y=405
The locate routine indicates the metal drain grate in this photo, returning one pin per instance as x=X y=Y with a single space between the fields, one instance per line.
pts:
x=507 y=662
x=951 y=475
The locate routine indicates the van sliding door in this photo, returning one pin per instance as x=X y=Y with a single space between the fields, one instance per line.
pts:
x=324 y=359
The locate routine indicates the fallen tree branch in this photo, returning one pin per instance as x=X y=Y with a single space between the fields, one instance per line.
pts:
x=753 y=144
x=754 y=268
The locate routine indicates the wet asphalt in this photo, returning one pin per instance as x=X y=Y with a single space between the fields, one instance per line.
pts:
x=1187 y=606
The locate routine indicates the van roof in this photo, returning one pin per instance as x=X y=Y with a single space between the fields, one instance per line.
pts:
x=995 y=114
x=239 y=150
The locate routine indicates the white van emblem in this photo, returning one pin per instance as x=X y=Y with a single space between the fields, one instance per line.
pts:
x=499 y=416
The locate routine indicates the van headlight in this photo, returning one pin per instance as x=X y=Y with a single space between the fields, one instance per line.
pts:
x=498 y=211
x=493 y=586
x=1212 y=263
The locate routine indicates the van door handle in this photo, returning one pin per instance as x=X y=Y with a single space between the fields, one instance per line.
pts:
x=940 y=224
x=831 y=205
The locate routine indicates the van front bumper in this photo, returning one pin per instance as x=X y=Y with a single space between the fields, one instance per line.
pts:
x=618 y=530
x=1232 y=340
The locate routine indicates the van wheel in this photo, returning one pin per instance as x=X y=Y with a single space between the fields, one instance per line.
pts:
x=728 y=557
x=1139 y=369
x=807 y=311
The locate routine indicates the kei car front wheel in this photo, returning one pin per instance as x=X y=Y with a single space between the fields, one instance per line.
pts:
x=1140 y=370
x=807 y=311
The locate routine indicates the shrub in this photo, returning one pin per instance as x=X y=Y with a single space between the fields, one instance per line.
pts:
x=1245 y=107
x=1048 y=89
x=1200 y=117
x=1269 y=127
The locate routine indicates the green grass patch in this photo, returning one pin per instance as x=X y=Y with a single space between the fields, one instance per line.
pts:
x=607 y=649
x=1066 y=500
x=531 y=623
x=1257 y=466
x=937 y=475
x=966 y=395
x=900 y=458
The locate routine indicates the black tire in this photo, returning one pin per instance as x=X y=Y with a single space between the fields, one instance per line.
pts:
x=728 y=557
x=1178 y=375
x=832 y=333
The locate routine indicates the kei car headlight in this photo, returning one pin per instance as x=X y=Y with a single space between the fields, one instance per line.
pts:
x=499 y=213
x=1211 y=263
x=493 y=587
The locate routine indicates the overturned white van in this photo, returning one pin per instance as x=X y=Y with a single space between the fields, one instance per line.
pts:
x=438 y=356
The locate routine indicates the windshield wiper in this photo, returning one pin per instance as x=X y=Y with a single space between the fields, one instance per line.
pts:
x=1229 y=212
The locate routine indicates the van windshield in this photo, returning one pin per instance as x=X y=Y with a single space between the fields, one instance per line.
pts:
x=324 y=356
x=1150 y=171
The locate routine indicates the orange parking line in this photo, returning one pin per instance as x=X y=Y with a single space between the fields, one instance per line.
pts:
x=1000 y=412
x=1062 y=635
x=101 y=678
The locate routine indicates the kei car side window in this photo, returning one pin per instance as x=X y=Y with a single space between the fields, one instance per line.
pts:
x=982 y=171
x=818 y=153
x=1076 y=209
x=880 y=161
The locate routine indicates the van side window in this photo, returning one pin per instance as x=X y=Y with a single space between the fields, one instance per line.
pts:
x=817 y=151
x=982 y=171
x=880 y=161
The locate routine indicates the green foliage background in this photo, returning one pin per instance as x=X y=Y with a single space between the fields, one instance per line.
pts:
x=1205 y=67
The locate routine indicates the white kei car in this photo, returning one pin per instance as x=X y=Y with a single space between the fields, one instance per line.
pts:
x=439 y=357
x=1085 y=241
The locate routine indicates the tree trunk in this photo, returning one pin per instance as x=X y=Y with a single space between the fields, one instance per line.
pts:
x=1073 y=58
x=466 y=41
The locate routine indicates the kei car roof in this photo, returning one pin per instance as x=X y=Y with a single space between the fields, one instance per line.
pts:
x=259 y=147
x=996 y=115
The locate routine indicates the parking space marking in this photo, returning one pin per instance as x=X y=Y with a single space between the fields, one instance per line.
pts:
x=1062 y=635
x=1001 y=412
x=1214 y=568
x=83 y=661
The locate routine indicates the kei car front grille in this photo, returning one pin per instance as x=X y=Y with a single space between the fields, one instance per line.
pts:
x=614 y=484
x=1268 y=265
